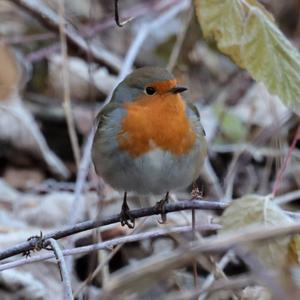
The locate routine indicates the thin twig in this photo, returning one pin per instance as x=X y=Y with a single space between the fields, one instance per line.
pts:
x=211 y=277
x=46 y=16
x=136 y=213
x=80 y=179
x=117 y=18
x=144 y=31
x=66 y=84
x=88 y=31
x=179 y=41
x=184 y=255
x=63 y=269
x=232 y=283
x=286 y=160
x=103 y=263
x=194 y=265
x=78 y=201
x=260 y=270
x=108 y=245
x=210 y=176
x=287 y=197
x=42 y=53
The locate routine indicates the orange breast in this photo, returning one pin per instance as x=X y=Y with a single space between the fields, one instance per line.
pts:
x=156 y=121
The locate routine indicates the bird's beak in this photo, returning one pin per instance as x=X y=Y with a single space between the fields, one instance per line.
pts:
x=177 y=89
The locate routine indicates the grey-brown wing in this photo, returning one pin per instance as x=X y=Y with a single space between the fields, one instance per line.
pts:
x=194 y=110
x=103 y=114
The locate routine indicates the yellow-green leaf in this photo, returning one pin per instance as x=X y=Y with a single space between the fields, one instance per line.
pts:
x=231 y=125
x=244 y=30
x=254 y=210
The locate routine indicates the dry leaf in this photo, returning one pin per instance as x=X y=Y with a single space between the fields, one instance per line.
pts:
x=244 y=30
x=10 y=73
x=254 y=210
x=17 y=126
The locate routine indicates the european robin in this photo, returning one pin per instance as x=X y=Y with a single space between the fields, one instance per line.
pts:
x=148 y=139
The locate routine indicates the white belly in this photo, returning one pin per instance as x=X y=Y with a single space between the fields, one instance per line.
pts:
x=155 y=173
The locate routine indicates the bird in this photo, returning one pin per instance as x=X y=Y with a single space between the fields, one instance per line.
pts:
x=148 y=139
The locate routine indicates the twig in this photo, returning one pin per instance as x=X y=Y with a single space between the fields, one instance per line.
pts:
x=106 y=261
x=135 y=46
x=30 y=38
x=117 y=18
x=136 y=11
x=97 y=270
x=66 y=84
x=286 y=160
x=144 y=32
x=211 y=277
x=41 y=53
x=287 y=197
x=88 y=31
x=78 y=202
x=137 y=213
x=292 y=214
x=164 y=262
x=63 y=269
x=243 y=157
x=210 y=176
x=232 y=283
x=179 y=41
x=260 y=270
x=194 y=265
x=108 y=245
x=47 y=17
x=80 y=179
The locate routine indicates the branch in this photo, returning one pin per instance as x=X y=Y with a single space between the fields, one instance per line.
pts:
x=66 y=85
x=46 y=16
x=260 y=271
x=132 y=275
x=87 y=225
x=108 y=245
x=117 y=18
x=62 y=268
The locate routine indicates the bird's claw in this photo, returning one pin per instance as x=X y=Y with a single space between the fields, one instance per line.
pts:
x=126 y=218
x=160 y=205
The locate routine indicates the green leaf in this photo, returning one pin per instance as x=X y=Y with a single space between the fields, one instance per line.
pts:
x=254 y=210
x=245 y=31
x=231 y=125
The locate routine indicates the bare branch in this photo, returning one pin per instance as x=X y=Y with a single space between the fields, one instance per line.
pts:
x=47 y=17
x=66 y=85
x=87 y=225
x=260 y=270
x=117 y=18
x=109 y=244
x=63 y=269
x=164 y=262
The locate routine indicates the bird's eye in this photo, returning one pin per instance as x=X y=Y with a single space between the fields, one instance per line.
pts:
x=149 y=90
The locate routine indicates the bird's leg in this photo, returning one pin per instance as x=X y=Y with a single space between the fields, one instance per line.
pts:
x=125 y=215
x=161 y=207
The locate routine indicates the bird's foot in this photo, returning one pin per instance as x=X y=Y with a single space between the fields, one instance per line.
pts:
x=161 y=207
x=125 y=217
